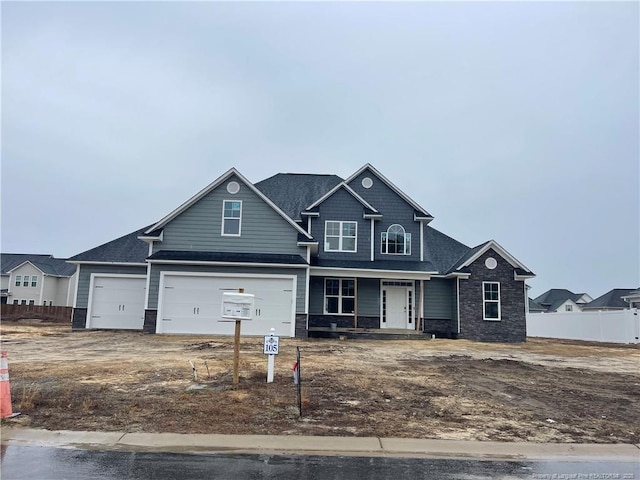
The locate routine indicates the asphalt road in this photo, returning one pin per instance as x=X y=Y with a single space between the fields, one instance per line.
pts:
x=45 y=463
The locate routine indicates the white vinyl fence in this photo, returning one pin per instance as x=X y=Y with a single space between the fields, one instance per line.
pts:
x=621 y=326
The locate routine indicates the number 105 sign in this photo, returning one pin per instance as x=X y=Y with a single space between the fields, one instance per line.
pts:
x=271 y=345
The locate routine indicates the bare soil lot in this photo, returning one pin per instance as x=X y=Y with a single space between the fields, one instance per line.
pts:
x=541 y=391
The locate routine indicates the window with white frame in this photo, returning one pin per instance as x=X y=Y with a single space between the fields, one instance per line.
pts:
x=34 y=280
x=18 y=280
x=340 y=236
x=339 y=296
x=491 y=300
x=25 y=281
x=231 y=218
x=32 y=302
x=396 y=241
x=568 y=308
x=16 y=302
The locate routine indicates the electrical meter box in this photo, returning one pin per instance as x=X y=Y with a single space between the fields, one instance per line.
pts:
x=237 y=306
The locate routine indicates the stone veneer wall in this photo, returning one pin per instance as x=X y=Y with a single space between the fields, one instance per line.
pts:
x=150 y=319
x=513 y=324
x=79 y=319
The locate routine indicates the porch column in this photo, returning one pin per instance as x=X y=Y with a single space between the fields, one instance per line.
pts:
x=420 y=307
x=355 y=302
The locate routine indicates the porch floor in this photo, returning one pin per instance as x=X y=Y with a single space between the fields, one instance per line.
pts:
x=368 y=333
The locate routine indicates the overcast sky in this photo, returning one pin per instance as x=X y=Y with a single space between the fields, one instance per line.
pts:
x=516 y=122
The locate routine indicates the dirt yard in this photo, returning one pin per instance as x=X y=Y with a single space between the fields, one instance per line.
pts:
x=541 y=391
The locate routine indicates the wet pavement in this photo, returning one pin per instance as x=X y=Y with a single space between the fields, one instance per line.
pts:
x=49 y=463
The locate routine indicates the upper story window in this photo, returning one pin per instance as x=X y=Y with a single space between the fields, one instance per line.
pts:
x=34 y=280
x=396 y=241
x=340 y=236
x=491 y=300
x=18 y=280
x=25 y=281
x=231 y=218
x=568 y=308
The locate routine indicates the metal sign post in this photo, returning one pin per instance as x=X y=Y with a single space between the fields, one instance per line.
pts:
x=271 y=348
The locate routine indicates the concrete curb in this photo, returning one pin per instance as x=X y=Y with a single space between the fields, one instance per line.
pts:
x=345 y=446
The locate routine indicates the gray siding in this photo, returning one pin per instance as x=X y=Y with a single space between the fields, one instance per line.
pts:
x=84 y=278
x=369 y=297
x=199 y=227
x=440 y=299
x=157 y=268
x=342 y=206
x=394 y=210
x=316 y=295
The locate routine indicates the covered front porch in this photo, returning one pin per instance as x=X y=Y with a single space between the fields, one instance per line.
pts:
x=391 y=304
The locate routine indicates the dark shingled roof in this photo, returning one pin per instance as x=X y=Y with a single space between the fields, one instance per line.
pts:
x=46 y=263
x=377 y=265
x=195 y=256
x=126 y=249
x=611 y=299
x=294 y=192
x=535 y=307
x=443 y=251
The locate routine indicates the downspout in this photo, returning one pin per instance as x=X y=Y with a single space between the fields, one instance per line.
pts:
x=373 y=243
x=41 y=288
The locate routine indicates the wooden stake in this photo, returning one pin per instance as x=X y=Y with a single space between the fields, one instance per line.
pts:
x=236 y=350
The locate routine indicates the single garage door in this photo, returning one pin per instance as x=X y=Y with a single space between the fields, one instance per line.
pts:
x=193 y=304
x=117 y=302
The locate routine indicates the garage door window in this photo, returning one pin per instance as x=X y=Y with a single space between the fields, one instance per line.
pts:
x=231 y=218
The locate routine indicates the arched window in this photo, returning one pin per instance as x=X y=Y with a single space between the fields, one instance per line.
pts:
x=396 y=241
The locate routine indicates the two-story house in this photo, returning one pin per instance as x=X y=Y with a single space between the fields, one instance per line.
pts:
x=317 y=251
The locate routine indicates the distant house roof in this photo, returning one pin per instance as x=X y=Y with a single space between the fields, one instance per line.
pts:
x=294 y=192
x=555 y=297
x=612 y=300
x=535 y=307
x=47 y=264
x=126 y=249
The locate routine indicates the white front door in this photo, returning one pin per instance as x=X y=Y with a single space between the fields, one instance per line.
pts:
x=396 y=307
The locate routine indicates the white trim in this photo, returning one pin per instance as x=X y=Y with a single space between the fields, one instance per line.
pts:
x=294 y=290
x=369 y=273
x=215 y=184
x=306 y=295
x=499 y=301
x=310 y=214
x=349 y=190
x=522 y=277
x=403 y=195
x=421 y=242
x=458 y=301
x=91 y=288
x=230 y=264
x=309 y=225
x=341 y=236
x=385 y=244
x=500 y=251
x=41 y=287
x=239 y=234
x=148 y=287
x=373 y=240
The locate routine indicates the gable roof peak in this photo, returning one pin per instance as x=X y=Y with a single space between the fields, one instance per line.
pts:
x=342 y=185
x=215 y=184
x=419 y=209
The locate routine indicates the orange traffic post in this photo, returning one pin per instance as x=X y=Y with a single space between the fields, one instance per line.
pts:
x=5 y=389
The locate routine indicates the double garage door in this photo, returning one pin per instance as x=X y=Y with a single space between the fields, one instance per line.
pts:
x=193 y=304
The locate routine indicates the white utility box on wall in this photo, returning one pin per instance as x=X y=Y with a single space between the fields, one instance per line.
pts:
x=237 y=306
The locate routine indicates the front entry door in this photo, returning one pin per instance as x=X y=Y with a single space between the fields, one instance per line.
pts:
x=396 y=307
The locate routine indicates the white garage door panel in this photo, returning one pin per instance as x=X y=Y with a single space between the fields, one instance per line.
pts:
x=193 y=304
x=117 y=302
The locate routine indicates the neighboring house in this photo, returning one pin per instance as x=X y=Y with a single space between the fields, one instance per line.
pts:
x=535 y=307
x=615 y=299
x=37 y=280
x=560 y=300
x=317 y=252
x=632 y=298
